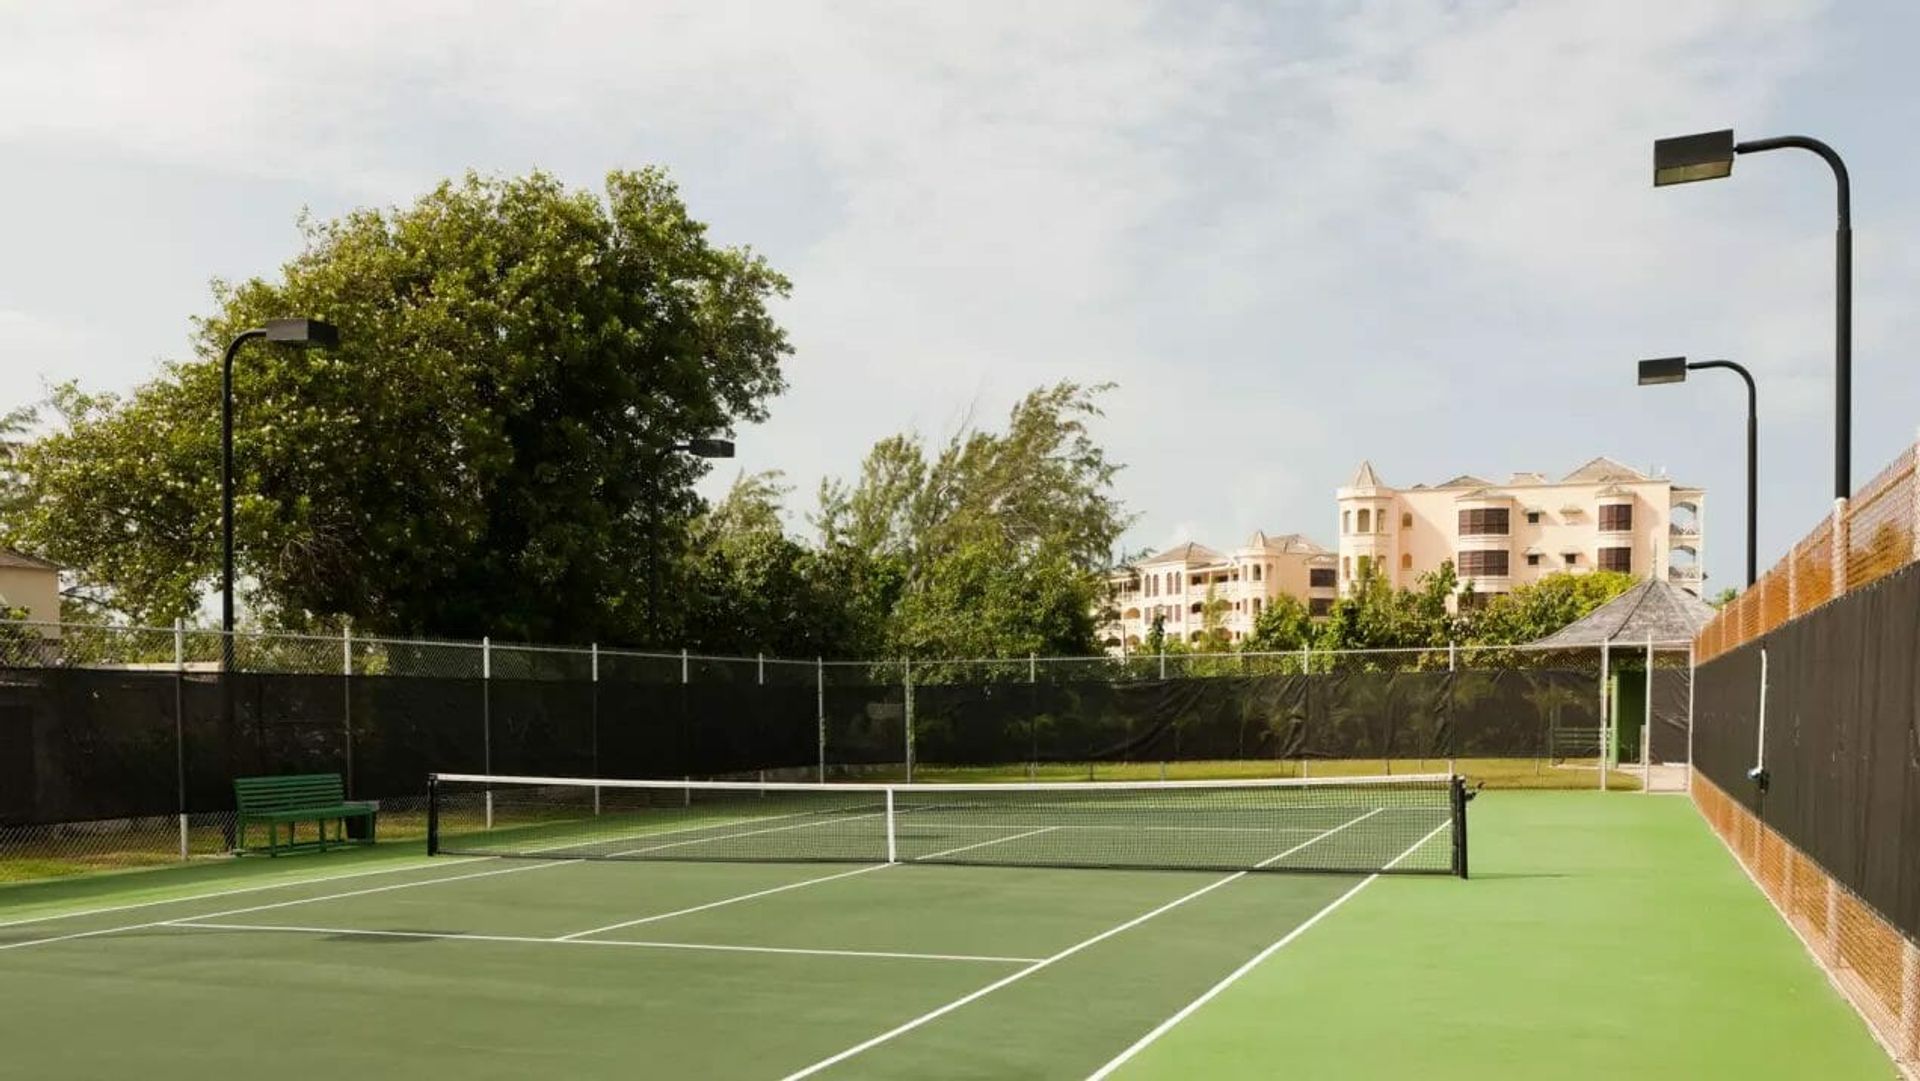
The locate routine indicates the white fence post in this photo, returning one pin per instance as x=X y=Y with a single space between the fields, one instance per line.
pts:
x=1606 y=716
x=1646 y=728
x=346 y=698
x=180 y=727
x=593 y=654
x=486 y=719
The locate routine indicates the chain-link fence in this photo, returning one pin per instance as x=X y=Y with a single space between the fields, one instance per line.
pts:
x=126 y=730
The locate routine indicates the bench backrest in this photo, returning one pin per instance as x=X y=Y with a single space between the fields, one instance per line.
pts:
x=288 y=793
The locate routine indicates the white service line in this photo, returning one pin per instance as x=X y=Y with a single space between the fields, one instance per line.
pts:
x=284 y=904
x=192 y=924
x=424 y=863
x=721 y=903
x=983 y=844
x=1233 y=977
x=942 y=1011
x=742 y=833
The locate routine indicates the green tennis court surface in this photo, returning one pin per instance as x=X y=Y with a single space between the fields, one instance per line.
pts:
x=1601 y=936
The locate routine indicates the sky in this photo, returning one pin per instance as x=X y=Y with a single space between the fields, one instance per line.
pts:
x=1294 y=235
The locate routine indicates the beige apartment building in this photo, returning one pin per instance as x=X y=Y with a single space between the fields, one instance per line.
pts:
x=30 y=585
x=1173 y=585
x=1602 y=516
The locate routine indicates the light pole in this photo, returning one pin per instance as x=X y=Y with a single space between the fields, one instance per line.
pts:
x=699 y=448
x=1709 y=156
x=1674 y=370
x=304 y=334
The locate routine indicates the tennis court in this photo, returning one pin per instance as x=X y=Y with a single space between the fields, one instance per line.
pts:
x=665 y=963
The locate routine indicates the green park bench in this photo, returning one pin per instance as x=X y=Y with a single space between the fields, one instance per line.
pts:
x=319 y=798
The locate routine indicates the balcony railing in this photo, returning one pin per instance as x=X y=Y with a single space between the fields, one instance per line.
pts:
x=1684 y=574
x=1683 y=529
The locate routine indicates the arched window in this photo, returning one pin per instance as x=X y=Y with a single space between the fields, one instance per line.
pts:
x=1366 y=520
x=1346 y=521
x=1406 y=561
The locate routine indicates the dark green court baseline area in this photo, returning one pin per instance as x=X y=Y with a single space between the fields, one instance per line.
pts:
x=1601 y=936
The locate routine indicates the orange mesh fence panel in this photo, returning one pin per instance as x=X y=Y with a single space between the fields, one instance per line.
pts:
x=1880 y=524
x=1873 y=964
x=1774 y=589
x=1816 y=567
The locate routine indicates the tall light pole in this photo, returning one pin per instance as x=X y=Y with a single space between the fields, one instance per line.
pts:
x=1709 y=156
x=302 y=333
x=699 y=448
x=1674 y=370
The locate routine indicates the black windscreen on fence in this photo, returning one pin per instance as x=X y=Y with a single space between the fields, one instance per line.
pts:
x=85 y=744
x=1842 y=754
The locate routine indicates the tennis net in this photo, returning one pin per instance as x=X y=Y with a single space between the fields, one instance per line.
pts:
x=1403 y=824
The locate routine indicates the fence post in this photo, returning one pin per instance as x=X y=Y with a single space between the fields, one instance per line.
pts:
x=486 y=719
x=1910 y=997
x=1033 y=668
x=907 y=678
x=684 y=669
x=1163 y=661
x=180 y=727
x=1842 y=542
x=346 y=698
x=1646 y=728
x=761 y=670
x=820 y=712
x=686 y=797
x=1606 y=717
x=1453 y=665
x=1692 y=674
x=593 y=716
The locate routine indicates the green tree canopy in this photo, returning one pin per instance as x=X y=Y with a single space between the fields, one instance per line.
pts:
x=484 y=452
x=997 y=543
x=1537 y=609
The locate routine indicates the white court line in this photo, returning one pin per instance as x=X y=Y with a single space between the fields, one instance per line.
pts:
x=643 y=835
x=1233 y=977
x=743 y=833
x=983 y=844
x=192 y=924
x=425 y=862
x=284 y=904
x=942 y=1011
x=907 y=822
x=721 y=903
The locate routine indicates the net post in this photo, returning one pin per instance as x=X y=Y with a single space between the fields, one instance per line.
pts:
x=1458 y=797
x=893 y=853
x=433 y=815
x=820 y=713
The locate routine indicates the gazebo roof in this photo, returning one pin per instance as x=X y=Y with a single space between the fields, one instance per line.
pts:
x=1653 y=610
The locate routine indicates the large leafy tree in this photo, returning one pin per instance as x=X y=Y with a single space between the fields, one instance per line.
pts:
x=995 y=545
x=485 y=452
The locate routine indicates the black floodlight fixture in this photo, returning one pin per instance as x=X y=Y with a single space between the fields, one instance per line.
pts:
x=303 y=333
x=1663 y=370
x=1687 y=158
x=708 y=448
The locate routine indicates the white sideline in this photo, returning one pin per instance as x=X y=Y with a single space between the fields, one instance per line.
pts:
x=192 y=924
x=424 y=863
x=1234 y=977
x=284 y=904
x=720 y=903
x=942 y=1011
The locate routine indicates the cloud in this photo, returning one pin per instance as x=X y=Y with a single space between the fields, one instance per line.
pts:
x=1417 y=230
